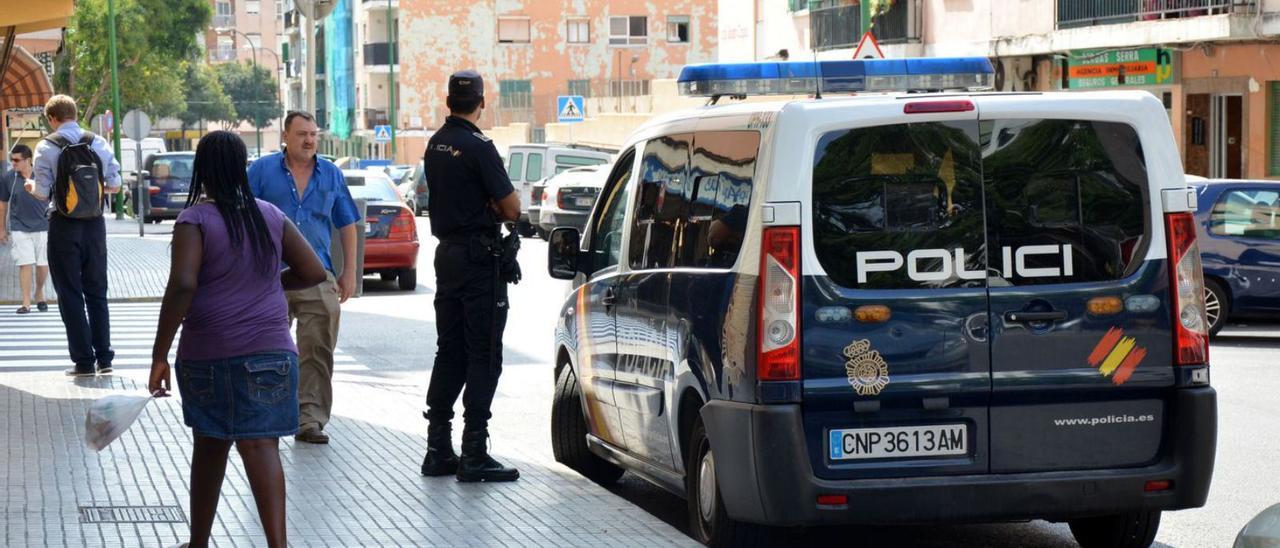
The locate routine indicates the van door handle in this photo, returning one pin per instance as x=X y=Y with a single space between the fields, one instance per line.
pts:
x=609 y=299
x=1028 y=317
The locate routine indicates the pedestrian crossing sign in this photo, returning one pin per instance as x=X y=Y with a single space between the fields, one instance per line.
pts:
x=382 y=134
x=569 y=108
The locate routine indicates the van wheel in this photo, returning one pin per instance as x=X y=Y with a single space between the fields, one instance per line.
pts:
x=708 y=520
x=543 y=233
x=407 y=279
x=525 y=229
x=1217 y=305
x=1131 y=530
x=569 y=433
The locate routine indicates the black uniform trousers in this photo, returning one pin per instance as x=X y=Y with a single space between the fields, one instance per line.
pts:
x=471 y=313
x=78 y=267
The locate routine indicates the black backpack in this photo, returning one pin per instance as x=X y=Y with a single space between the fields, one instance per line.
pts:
x=78 y=184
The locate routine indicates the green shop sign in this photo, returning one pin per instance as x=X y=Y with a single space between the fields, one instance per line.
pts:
x=1092 y=69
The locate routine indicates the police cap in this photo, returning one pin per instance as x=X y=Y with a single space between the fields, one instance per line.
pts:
x=466 y=84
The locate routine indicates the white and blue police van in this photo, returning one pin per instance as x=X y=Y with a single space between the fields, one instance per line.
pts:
x=891 y=298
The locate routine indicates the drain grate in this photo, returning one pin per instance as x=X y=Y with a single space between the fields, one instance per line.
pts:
x=132 y=514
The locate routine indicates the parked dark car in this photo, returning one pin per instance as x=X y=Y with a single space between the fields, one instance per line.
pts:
x=168 y=182
x=1239 y=234
x=416 y=180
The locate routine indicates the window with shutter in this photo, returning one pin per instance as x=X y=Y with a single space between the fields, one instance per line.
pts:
x=1273 y=129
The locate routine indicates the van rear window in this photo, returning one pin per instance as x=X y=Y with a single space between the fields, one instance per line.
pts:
x=957 y=204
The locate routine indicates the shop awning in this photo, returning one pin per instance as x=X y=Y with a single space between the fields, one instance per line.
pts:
x=24 y=17
x=25 y=83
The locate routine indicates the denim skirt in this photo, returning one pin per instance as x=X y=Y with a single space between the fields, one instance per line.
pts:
x=246 y=397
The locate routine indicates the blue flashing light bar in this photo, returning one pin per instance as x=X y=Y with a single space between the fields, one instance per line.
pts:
x=861 y=75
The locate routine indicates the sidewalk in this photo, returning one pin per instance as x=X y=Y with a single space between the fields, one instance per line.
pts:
x=363 y=489
x=137 y=267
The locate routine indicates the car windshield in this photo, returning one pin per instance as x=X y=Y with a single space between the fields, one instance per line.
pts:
x=373 y=188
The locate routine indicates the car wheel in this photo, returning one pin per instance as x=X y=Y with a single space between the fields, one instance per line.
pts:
x=543 y=233
x=709 y=523
x=1129 y=530
x=1217 y=305
x=525 y=229
x=407 y=279
x=569 y=433
x=387 y=276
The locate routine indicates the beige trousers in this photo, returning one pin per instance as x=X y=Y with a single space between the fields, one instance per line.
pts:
x=317 y=312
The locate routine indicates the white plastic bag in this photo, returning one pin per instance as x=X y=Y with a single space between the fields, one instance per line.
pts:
x=110 y=416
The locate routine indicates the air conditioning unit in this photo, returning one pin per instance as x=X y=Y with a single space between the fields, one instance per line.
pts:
x=1015 y=74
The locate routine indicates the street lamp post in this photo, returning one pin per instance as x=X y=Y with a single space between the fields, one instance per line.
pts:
x=254 y=47
x=391 y=87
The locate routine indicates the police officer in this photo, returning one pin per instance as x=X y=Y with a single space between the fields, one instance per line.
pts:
x=470 y=194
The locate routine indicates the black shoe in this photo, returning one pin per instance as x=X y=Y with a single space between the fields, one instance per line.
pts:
x=440 y=459
x=104 y=369
x=42 y=306
x=476 y=464
x=80 y=372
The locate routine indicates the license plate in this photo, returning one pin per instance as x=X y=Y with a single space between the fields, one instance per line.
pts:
x=582 y=202
x=899 y=442
x=179 y=198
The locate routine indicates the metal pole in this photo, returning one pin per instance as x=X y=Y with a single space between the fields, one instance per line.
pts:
x=256 y=66
x=391 y=89
x=115 y=96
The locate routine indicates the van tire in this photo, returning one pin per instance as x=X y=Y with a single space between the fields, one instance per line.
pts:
x=525 y=229
x=717 y=530
x=1129 y=530
x=569 y=432
x=1213 y=292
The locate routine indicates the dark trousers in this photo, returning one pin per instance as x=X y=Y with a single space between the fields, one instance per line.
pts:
x=471 y=313
x=78 y=266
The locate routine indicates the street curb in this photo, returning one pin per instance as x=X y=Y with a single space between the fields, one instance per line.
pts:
x=109 y=301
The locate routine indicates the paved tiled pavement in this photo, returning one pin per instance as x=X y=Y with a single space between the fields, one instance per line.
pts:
x=361 y=490
x=137 y=267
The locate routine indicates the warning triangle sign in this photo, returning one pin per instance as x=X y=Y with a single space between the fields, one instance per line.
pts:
x=570 y=110
x=868 y=48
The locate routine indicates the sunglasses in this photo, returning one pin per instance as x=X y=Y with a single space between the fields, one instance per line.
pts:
x=16 y=159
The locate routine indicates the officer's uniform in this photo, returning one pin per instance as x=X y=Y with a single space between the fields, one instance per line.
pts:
x=465 y=174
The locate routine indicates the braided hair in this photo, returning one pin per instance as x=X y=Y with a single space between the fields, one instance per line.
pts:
x=219 y=174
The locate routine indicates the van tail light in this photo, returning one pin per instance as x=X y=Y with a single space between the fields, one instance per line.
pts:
x=934 y=107
x=403 y=227
x=1186 y=280
x=779 y=306
x=536 y=198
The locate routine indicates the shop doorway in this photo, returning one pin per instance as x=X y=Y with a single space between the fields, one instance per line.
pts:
x=1196 y=134
x=1228 y=137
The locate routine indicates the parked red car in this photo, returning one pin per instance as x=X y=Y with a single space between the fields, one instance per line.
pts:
x=391 y=235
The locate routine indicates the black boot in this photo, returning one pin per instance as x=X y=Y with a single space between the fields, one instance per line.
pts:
x=440 y=459
x=476 y=464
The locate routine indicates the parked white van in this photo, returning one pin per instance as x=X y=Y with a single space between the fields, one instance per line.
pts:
x=530 y=163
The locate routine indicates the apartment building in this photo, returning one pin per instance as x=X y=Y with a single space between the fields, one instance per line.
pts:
x=1214 y=63
x=247 y=31
x=530 y=52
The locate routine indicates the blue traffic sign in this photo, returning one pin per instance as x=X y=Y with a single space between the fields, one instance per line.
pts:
x=569 y=108
x=382 y=134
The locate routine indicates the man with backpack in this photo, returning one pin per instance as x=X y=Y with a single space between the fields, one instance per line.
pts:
x=75 y=167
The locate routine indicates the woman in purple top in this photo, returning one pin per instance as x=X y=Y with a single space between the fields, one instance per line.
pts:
x=237 y=363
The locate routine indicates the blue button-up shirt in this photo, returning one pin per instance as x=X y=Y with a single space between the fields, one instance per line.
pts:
x=46 y=160
x=325 y=205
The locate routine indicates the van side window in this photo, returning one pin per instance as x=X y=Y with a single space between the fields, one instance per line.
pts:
x=1066 y=200
x=664 y=190
x=900 y=206
x=534 y=171
x=515 y=167
x=721 y=176
x=607 y=228
x=1247 y=213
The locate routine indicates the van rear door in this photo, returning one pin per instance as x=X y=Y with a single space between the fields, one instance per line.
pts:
x=896 y=374
x=1081 y=345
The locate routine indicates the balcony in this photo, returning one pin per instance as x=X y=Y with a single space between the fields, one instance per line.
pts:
x=222 y=55
x=837 y=24
x=224 y=21
x=374 y=117
x=378 y=55
x=1087 y=13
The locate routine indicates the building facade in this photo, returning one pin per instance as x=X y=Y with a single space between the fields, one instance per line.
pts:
x=1212 y=62
x=248 y=31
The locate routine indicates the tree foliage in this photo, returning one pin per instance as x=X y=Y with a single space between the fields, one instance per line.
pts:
x=154 y=38
x=253 y=91
x=206 y=99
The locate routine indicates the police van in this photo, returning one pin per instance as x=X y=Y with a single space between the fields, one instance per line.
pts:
x=919 y=303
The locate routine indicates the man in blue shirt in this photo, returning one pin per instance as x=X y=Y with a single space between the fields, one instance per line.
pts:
x=24 y=224
x=314 y=194
x=78 y=247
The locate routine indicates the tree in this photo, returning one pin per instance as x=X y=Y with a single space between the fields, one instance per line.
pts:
x=154 y=38
x=206 y=98
x=253 y=91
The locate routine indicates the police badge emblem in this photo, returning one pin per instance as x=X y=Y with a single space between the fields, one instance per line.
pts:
x=868 y=372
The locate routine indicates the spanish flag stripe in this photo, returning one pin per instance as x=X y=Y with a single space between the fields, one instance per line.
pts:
x=1105 y=345
x=1128 y=365
x=1117 y=355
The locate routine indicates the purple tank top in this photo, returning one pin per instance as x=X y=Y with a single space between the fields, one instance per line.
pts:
x=239 y=308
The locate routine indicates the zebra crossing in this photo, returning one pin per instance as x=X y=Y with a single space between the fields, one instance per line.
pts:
x=38 y=342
